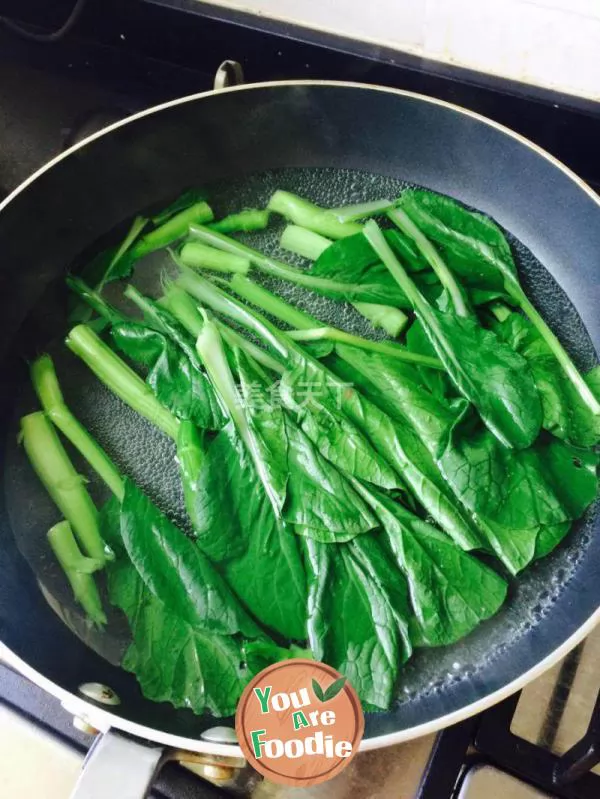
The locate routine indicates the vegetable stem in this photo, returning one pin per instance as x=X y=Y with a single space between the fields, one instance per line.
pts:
x=245 y=221
x=210 y=348
x=138 y=224
x=352 y=213
x=66 y=488
x=78 y=570
x=388 y=348
x=304 y=242
x=555 y=346
x=94 y=300
x=433 y=258
x=185 y=310
x=392 y=320
x=45 y=383
x=272 y=304
x=377 y=241
x=120 y=379
x=207 y=293
x=173 y=229
x=306 y=214
x=269 y=266
x=199 y=256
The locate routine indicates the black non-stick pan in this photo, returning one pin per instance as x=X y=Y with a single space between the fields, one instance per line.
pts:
x=335 y=143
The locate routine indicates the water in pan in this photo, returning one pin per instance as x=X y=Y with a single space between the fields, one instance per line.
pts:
x=148 y=457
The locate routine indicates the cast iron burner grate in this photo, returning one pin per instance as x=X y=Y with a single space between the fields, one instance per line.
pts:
x=487 y=739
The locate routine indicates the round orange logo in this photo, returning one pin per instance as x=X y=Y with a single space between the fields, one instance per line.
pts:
x=299 y=722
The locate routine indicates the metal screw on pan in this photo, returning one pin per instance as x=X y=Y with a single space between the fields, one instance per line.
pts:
x=81 y=724
x=99 y=693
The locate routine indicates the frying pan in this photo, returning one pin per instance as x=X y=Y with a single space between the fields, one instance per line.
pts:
x=245 y=141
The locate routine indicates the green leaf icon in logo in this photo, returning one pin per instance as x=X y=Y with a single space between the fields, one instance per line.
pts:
x=318 y=691
x=331 y=692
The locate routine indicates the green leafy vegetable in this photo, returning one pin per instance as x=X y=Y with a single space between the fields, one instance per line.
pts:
x=476 y=248
x=173 y=661
x=177 y=380
x=565 y=414
x=451 y=591
x=355 y=583
x=492 y=376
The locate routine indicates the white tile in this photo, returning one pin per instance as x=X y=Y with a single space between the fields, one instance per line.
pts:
x=586 y=8
x=33 y=763
x=397 y=23
x=551 y=43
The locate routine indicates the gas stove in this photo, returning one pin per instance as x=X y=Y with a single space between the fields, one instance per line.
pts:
x=543 y=742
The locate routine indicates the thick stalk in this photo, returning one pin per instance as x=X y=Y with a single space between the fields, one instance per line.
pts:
x=78 y=570
x=245 y=221
x=433 y=258
x=352 y=213
x=392 y=320
x=272 y=304
x=303 y=242
x=48 y=390
x=200 y=256
x=388 y=348
x=306 y=214
x=120 y=379
x=173 y=229
x=66 y=488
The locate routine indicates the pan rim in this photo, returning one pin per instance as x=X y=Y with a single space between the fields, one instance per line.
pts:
x=104 y=720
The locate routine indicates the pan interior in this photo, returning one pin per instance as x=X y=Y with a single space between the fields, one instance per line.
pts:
x=148 y=457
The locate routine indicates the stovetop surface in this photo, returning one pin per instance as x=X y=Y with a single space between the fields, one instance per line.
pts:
x=52 y=94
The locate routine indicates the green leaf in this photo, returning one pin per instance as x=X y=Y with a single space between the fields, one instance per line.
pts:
x=334 y=689
x=358 y=615
x=176 y=379
x=420 y=422
x=258 y=554
x=565 y=415
x=451 y=591
x=318 y=497
x=174 y=569
x=437 y=381
x=318 y=691
x=516 y=495
x=472 y=244
x=175 y=662
x=260 y=654
x=495 y=378
x=352 y=260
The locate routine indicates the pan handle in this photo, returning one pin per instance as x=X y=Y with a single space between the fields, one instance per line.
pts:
x=229 y=73
x=119 y=766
